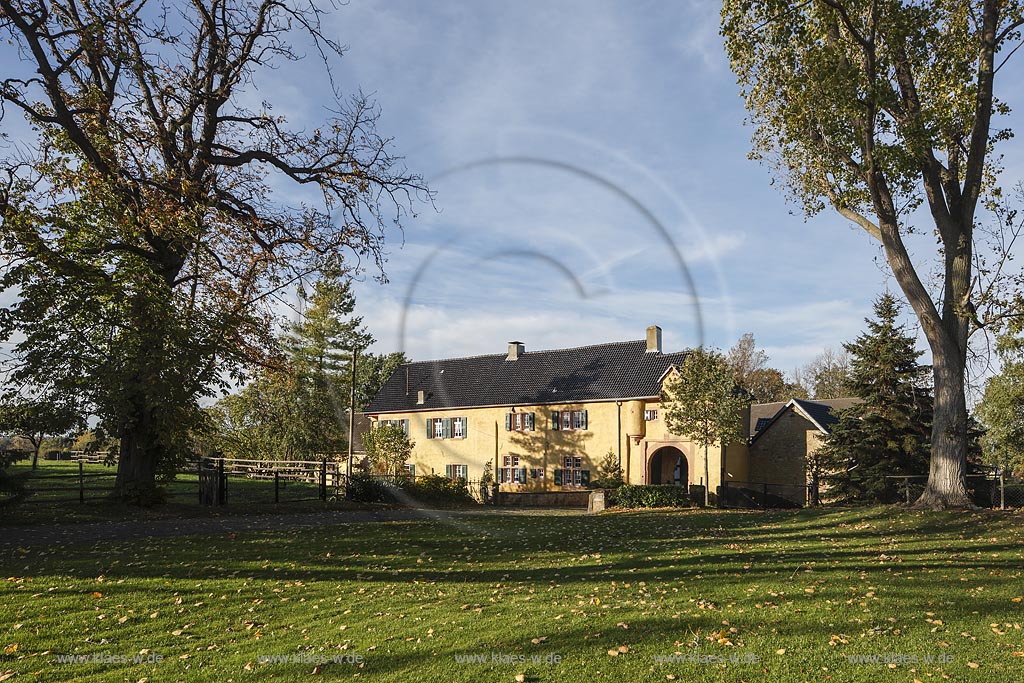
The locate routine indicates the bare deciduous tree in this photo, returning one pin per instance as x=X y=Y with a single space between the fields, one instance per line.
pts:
x=146 y=228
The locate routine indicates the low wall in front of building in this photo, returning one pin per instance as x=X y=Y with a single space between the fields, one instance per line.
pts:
x=544 y=499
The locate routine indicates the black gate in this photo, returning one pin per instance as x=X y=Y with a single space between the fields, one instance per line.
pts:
x=212 y=482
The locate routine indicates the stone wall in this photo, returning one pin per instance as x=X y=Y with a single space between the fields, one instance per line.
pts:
x=545 y=499
x=779 y=455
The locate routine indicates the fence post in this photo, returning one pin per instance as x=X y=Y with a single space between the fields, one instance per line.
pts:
x=222 y=483
x=1002 y=489
x=277 y=484
x=81 y=483
x=906 y=488
x=323 y=479
x=199 y=473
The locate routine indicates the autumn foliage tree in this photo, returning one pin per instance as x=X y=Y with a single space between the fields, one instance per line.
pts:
x=388 y=448
x=702 y=403
x=879 y=108
x=145 y=228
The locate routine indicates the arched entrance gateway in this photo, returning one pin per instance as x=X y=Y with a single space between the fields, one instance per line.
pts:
x=668 y=466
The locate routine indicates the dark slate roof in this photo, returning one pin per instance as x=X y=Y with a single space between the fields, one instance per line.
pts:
x=765 y=412
x=823 y=412
x=587 y=373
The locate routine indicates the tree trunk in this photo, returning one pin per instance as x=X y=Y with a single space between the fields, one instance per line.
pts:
x=707 y=477
x=137 y=463
x=946 y=486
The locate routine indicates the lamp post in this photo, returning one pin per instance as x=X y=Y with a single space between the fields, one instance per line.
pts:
x=351 y=412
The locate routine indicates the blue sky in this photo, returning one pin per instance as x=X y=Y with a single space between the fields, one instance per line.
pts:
x=576 y=148
x=635 y=95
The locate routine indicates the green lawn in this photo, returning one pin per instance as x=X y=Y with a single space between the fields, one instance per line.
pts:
x=55 y=495
x=787 y=595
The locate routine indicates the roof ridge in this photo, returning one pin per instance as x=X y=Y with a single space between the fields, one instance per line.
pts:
x=567 y=348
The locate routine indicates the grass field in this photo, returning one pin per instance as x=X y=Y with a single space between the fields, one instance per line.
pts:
x=783 y=596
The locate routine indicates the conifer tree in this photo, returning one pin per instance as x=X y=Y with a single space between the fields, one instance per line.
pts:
x=888 y=432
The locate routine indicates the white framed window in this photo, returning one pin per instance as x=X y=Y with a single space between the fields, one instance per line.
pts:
x=457 y=471
x=568 y=420
x=404 y=424
x=411 y=470
x=519 y=422
x=650 y=415
x=511 y=472
x=447 y=427
x=572 y=472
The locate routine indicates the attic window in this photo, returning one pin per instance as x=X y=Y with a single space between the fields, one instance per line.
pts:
x=762 y=422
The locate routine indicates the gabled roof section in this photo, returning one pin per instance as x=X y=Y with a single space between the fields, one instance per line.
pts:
x=822 y=414
x=618 y=370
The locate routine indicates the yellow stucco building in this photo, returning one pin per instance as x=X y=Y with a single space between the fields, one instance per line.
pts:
x=545 y=419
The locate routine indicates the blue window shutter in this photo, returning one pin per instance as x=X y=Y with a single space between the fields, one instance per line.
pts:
x=465 y=427
x=430 y=428
x=584 y=419
x=532 y=420
x=508 y=422
x=405 y=427
x=555 y=424
x=558 y=477
x=585 y=477
x=448 y=471
x=446 y=427
x=522 y=474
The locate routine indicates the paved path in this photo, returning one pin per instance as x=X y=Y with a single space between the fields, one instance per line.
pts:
x=97 y=532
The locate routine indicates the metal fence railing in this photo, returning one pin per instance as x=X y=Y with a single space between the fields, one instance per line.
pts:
x=66 y=485
x=761 y=495
x=224 y=479
x=985 y=490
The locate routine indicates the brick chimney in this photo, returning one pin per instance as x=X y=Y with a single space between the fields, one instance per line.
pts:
x=653 y=339
x=515 y=349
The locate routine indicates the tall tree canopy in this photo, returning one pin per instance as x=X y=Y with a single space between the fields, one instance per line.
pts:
x=889 y=431
x=751 y=372
x=145 y=229
x=1002 y=407
x=878 y=108
x=35 y=418
x=298 y=407
x=828 y=375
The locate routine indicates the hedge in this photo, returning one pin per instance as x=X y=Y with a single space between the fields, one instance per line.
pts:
x=645 y=496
